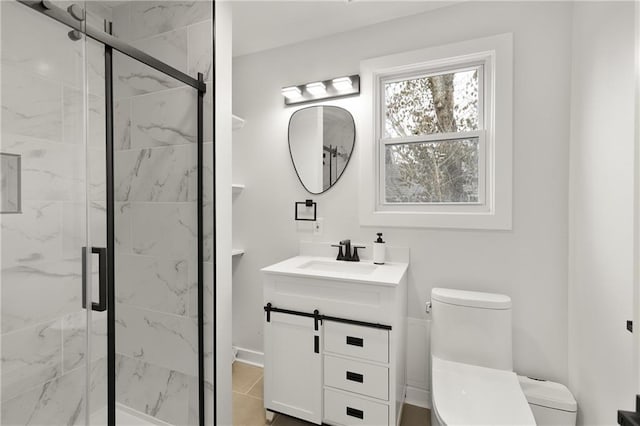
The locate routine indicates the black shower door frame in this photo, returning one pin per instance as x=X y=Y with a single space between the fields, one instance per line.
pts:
x=111 y=44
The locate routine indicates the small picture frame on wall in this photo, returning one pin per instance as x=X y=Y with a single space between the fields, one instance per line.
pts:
x=10 y=185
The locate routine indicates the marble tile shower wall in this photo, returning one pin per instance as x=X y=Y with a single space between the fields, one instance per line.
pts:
x=43 y=326
x=156 y=221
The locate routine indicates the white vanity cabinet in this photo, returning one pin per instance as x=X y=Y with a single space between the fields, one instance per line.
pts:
x=334 y=342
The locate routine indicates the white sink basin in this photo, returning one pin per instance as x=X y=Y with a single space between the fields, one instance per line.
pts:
x=339 y=267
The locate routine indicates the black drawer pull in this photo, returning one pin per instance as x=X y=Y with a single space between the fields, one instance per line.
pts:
x=355 y=377
x=355 y=341
x=316 y=344
x=355 y=413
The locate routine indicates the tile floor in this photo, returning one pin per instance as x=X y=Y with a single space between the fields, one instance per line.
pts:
x=248 y=409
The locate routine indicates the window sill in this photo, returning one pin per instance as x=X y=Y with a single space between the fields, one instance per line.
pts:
x=470 y=220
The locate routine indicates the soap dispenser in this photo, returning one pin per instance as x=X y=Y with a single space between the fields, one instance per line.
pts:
x=379 y=250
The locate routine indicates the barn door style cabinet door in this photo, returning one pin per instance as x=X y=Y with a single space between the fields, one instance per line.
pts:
x=293 y=378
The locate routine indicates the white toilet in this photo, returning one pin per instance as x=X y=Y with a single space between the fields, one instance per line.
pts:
x=472 y=382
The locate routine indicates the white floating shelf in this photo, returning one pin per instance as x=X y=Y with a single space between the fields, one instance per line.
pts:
x=236 y=122
x=237 y=252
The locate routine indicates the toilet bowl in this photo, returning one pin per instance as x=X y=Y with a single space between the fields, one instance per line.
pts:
x=465 y=394
x=472 y=382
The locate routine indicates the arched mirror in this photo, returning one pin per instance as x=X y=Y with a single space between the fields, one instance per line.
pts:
x=321 y=140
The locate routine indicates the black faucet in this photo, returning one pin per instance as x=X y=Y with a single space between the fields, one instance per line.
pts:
x=347 y=255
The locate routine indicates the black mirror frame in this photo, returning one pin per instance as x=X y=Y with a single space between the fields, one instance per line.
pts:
x=353 y=145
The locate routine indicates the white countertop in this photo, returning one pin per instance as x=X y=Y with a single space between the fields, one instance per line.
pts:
x=389 y=274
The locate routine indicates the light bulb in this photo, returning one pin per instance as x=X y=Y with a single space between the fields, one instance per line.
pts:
x=292 y=92
x=342 y=83
x=317 y=88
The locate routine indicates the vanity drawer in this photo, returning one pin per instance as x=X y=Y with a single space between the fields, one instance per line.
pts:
x=347 y=409
x=355 y=376
x=356 y=341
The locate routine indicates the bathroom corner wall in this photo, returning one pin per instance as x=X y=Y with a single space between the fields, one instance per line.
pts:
x=528 y=263
x=223 y=151
x=603 y=364
x=155 y=184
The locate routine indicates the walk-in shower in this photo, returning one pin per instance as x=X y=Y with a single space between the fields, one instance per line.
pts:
x=106 y=141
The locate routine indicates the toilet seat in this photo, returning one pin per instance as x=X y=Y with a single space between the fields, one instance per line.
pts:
x=465 y=394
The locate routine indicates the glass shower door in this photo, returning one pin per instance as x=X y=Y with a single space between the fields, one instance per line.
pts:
x=51 y=117
x=156 y=243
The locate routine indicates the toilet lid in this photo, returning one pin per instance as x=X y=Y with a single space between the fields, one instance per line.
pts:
x=465 y=394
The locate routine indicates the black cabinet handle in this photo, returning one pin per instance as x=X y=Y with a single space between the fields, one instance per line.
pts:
x=355 y=377
x=316 y=344
x=355 y=341
x=355 y=413
x=102 y=278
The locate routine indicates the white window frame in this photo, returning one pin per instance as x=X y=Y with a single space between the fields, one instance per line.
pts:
x=493 y=209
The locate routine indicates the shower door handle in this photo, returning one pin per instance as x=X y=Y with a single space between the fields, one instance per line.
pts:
x=102 y=278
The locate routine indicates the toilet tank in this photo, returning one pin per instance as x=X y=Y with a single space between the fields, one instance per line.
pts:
x=471 y=327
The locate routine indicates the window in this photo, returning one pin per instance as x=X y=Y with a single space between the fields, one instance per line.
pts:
x=432 y=136
x=439 y=150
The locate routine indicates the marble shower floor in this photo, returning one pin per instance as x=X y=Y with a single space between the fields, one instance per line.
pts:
x=248 y=408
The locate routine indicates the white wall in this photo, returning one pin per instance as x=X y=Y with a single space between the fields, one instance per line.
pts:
x=223 y=217
x=528 y=263
x=601 y=364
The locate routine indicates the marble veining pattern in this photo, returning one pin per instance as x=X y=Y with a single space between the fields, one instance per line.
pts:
x=74 y=230
x=159 y=174
x=156 y=17
x=56 y=286
x=152 y=283
x=50 y=170
x=123 y=217
x=201 y=50
x=74 y=116
x=122 y=124
x=165 y=229
x=165 y=340
x=207 y=171
x=164 y=118
x=97 y=174
x=132 y=78
x=30 y=356
x=153 y=390
x=170 y=47
x=57 y=402
x=208 y=233
x=10 y=191
x=33 y=236
x=74 y=338
x=31 y=105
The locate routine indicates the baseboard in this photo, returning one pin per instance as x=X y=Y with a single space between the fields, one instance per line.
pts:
x=418 y=397
x=247 y=356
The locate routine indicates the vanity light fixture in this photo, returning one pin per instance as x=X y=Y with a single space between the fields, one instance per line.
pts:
x=322 y=90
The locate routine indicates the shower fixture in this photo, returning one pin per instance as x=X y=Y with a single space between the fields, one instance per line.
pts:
x=74 y=35
x=76 y=11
